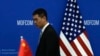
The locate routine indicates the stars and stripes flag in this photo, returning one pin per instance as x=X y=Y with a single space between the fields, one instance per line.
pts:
x=73 y=36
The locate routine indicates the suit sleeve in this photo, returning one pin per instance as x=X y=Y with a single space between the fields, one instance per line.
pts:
x=51 y=43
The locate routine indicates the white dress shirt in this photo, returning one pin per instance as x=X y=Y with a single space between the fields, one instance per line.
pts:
x=43 y=29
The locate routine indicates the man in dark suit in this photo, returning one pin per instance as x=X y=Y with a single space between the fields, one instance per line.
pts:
x=49 y=41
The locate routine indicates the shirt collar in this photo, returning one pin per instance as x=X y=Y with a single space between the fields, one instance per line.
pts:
x=44 y=27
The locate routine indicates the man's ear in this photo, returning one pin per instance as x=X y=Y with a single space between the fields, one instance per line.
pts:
x=44 y=17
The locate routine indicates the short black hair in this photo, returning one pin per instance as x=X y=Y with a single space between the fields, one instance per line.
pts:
x=41 y=12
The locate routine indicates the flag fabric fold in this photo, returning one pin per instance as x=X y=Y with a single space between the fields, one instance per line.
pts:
x=24 y=49
x=73 y=36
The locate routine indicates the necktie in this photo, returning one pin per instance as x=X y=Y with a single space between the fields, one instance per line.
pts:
x=40 y=36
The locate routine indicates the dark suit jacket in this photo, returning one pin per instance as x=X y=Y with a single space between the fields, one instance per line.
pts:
x=49 y=43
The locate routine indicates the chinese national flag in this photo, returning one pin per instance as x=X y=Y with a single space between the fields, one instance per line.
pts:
x=24 y=48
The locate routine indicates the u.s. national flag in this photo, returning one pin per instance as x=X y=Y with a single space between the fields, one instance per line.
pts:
x=73 y=36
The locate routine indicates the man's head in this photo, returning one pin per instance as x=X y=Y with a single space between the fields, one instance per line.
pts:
x=40 y=17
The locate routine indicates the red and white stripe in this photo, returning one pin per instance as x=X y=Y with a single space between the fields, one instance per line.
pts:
x=78 y=47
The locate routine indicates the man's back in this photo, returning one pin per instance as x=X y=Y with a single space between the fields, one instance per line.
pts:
x=49 y=43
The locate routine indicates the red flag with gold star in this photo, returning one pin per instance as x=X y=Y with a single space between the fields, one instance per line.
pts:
x=24 y=49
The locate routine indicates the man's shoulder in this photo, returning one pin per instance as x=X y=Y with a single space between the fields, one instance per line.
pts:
x=50 y=32
x=49 y=28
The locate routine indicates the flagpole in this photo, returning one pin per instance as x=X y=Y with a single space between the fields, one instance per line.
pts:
x=21 y=37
